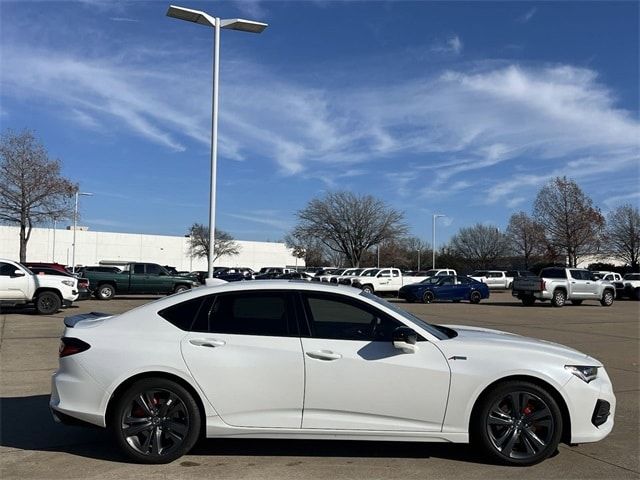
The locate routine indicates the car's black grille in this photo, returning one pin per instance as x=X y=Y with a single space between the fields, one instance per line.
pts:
x=601 y=412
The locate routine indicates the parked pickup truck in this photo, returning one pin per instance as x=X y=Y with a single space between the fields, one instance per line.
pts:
x=383 y=280
x=19 y=286
x=149 y=278
x=629 y=286
x=562 y=284
x=493 y=278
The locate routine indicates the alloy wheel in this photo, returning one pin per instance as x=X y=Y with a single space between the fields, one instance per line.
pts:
x=520 y=425
x=156 y=423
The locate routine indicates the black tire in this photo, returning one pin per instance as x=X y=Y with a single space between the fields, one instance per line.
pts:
x=48 y=303
x=368 y=288
x=427 y=297
x=143 y=409
x=576 y=302
x=475 y=297
x=559 y=298
x=528 y=301
x=517 y=423
x=607 y=298
x=105 y=291
x=181 y=288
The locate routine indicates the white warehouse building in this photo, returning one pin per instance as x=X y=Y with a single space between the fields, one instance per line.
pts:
x=95 y=248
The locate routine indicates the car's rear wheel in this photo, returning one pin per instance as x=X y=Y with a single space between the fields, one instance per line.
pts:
x=607 y=298
x=156 y=421
x=475 y=297
x=576 y=302
x=427 y=297
x=47 y=303
x=559 y=298
x=517 y=423
x=105 y=291
x=367 y=288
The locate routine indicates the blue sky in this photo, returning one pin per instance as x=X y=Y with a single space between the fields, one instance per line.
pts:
x=458 y=108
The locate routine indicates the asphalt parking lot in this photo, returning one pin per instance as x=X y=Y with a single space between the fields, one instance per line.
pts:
x=33 y=446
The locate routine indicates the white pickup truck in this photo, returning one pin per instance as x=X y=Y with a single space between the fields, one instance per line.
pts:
x=48 y=293
x=493 y=278
x=562 y=284
x=384 y=280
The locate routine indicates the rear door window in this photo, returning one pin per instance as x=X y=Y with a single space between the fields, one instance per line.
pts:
x=261 y=313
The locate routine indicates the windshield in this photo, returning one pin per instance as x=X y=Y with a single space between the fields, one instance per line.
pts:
x=431 y=280
x=632 y=276
x=370 y=273
x=430 y=273
x=26 y=269
x=338 y=272
x=436 y=332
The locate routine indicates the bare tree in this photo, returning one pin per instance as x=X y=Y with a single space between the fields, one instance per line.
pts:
x=31 y=187
x=349 y=224
x=199 y=243
x=526 y=237
x=623 y=234
x=571 y=223
x=480 y=245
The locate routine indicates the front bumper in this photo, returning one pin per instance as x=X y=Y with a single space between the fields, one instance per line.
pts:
x=585 y=401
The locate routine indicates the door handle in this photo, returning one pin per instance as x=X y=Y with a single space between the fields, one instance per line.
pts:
x=207 y=342
x=324 y=355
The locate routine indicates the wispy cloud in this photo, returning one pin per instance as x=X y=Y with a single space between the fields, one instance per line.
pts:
x=454 y=124
x=254 y=9
x=124 y=19
x=270 y=218
x=452 y=44
x=526 y=16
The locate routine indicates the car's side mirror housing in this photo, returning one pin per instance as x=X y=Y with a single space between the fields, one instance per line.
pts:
x=18 y=273
x=405 y=338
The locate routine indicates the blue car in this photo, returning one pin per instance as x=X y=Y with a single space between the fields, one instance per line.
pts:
x=450 y=287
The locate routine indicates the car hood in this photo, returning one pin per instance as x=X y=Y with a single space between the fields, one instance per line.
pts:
x=495 y=340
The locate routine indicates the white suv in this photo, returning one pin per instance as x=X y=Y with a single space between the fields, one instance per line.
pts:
x=48 y=293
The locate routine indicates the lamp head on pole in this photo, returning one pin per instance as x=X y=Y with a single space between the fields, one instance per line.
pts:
x=203 y=18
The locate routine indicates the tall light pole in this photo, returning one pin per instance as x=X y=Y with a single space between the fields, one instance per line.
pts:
x=53 y=259
x=198 y=16
x=75 y=225
x=433 y=243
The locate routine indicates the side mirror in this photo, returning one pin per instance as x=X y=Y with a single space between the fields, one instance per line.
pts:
x=18 y=273
x=405 y=338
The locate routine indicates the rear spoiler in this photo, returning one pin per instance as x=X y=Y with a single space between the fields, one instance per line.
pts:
x=73 y=320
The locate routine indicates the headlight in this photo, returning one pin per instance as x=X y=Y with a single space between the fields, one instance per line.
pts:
x=583 y=373
x=69 y=283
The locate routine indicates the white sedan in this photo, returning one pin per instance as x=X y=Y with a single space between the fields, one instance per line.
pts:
x=291 y=359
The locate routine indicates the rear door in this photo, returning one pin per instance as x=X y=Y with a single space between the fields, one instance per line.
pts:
x=244 y=351
x=138 y=279
x=579 y=284
x=356 y=379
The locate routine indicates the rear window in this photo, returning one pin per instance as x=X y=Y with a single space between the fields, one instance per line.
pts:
x=553 y=273
x=182 y=314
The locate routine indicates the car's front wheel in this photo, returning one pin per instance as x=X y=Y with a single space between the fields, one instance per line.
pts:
x=607 y=298
x=475 y=297
x=517 y=423
x=156 y=421
x=47 y=303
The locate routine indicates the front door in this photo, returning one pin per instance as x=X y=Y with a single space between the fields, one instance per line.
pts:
x=12 y=287
x=356 y=379
x=580 y=284
x=244 y=351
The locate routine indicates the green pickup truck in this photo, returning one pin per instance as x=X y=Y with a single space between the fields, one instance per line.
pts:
x=147 y=278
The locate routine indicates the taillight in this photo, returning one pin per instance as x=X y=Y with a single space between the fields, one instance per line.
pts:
x=543 y=284
x=71 y=346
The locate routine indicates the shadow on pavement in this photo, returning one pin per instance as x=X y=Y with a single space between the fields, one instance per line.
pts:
x=27 y=424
